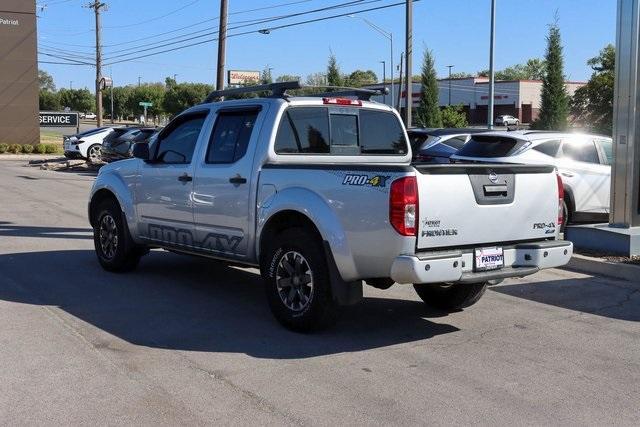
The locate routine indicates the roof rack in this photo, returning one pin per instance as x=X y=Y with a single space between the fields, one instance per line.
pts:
x=279 y=90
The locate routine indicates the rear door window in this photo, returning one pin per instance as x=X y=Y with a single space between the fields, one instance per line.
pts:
x=347 y=131
x=486 y=146
x=581 y=151
x=607 y=148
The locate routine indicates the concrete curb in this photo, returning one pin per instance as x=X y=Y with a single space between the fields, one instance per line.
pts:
x=598 y=266
x=29 y=157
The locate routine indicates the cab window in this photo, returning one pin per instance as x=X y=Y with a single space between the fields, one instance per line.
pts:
x=230 y=137
x=178 y=141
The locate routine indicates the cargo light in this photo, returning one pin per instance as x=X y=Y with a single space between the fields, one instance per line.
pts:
x=560 y=199
x=403 y=205
x=342 y=101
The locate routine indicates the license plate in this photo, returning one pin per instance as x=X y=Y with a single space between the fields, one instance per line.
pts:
x=489 y=259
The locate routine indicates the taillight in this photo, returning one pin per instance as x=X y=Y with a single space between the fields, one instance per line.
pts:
x=342 y=101
x=560 y=199
x=403 y=205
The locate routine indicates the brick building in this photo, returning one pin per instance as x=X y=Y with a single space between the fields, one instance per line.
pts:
x=519 y=98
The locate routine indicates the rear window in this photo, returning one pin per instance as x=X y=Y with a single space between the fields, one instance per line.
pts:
x=491 y=146
x=550 y=148
x=339 y=131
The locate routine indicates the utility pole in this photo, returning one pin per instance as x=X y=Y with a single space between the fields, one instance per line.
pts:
x=97 y=6
x=400 y=81
x=384 y=83
x=70 y=84
x=111 y=75
x=222 y=42
x=139 y=81
x=408 y=49
x=492 y=44
x=450 y=67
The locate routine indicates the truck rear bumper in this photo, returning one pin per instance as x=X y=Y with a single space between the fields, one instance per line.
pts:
x=457 y=266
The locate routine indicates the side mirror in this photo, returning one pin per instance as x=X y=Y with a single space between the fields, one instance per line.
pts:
x=141 y=151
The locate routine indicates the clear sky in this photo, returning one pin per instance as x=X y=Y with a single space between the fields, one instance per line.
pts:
x=456 y=30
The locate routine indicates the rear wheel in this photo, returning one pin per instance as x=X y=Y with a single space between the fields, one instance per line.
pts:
x=297 y=282
x=450 y=297
x=567 y=213
x=114 y=246
x=94 y=153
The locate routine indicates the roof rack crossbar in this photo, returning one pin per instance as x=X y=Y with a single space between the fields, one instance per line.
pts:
x=277 y=90
x=360 y=93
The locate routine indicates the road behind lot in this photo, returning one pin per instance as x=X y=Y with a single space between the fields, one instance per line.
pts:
x=185 y=340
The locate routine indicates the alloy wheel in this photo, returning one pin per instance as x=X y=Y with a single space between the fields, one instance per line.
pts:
x=108 y=236
x=294 y=281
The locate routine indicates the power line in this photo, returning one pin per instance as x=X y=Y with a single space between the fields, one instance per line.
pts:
x=156 y=18
x=250 y=32
x=172 y=41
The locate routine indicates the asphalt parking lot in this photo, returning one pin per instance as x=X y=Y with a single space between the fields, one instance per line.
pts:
x=185 y=340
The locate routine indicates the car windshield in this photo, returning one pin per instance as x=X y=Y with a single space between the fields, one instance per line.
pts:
x=492 y=146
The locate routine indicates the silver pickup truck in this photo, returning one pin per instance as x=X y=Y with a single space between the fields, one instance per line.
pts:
x=320 y=193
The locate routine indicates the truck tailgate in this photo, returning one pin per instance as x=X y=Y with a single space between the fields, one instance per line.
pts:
x=482 y=205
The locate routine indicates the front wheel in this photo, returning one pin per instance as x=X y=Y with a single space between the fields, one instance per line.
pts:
x=297 y=282
x=450 y=297
x=114 y=246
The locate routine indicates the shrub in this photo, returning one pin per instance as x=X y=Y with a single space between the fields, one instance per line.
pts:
x=50 y=148
x=27 y=148
x=14 y=148
x=40 y=148
x=3 y=148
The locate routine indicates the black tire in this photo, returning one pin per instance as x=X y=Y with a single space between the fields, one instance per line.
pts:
x=114 y=246
x=567 y=213
x=450 y=297
x=94 y=153
x=297 y=283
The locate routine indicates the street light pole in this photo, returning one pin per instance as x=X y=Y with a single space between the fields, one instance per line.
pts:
x=492 y=44
x=389 y=36
x=111 y=75
x=450 y=67
x=408 y=49
x=384 y=78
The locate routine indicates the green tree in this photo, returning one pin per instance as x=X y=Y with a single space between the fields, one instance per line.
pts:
x=77 y=99
x=265 y=76
x=121 y=95
x=460 y=75
x=592 y=104
x=360 y=78
x=428 y=114
x=184 y=95
x=169 y=82
x=49 y=101
x=46 y=81
x=453 y=116
x=533 y=69
x=334 y=78
x=554 y=104
x=151 y=92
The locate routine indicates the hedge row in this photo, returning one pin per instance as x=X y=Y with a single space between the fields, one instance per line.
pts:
x=28 y=149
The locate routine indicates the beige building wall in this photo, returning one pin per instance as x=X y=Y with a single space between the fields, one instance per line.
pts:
x=18 y=73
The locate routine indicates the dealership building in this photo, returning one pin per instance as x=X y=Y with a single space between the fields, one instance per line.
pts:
x=18 y=73
x=519 y=98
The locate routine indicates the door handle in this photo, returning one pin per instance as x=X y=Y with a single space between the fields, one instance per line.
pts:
x=567 y=174
x=185 y=178
x=238 y=180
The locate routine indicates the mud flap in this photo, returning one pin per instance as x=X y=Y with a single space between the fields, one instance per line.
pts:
x=344 y=293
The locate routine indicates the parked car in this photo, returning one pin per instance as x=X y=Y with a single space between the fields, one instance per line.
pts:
x=506 y=120
x=118 y=144
x=320 y=193
x=582 y=160
x=89 y=116
x=86 y=144
x=437 y=145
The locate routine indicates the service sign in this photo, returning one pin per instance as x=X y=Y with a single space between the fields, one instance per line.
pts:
x=237 y=77
x=55 y=119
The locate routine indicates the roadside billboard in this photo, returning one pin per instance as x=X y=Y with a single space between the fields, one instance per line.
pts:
x=238 y=77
